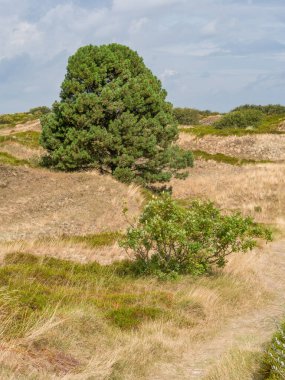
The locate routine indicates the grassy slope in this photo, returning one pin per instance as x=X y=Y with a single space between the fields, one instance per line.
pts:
x=54 y=307
x=220 y=157
x=269 y=125
x=29 y=139
x=10 y=120
x=8 y=159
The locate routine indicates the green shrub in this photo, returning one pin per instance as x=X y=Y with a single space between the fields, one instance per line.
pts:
x=113 y=116
x=10 y=120
x=270 y=109
x=170 y=238
x=186 y=116
x=190 y=116
x=39 y=111
x=274 y=361
x=249 y=118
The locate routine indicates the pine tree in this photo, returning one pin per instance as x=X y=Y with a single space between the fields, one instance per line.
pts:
x=113 y=116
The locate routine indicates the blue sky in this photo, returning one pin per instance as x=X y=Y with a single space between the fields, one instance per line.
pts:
x=209 y=54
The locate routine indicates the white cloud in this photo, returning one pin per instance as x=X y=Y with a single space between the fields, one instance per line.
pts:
x=140 y=5
x=200 y=49
x=219 y=37
x=137 y=25
x=168 y=73
x=210 y=28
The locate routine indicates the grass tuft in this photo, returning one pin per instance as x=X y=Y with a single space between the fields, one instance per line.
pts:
x=29 y=139
x=8 y=159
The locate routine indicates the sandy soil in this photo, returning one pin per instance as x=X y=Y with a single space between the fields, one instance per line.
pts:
x=259 y=147
x=29 y=126
x=36 y=202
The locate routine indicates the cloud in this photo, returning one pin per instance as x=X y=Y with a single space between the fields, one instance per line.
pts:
x=168 y=73
x=210 y=28
x=131 y=5
x=138 y=24
x=207 y=53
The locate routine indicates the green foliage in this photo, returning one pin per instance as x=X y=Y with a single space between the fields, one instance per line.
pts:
x=190 y=116
x=187 y=116
x=10 y=120
x=170 y=238
x=39 y=111
x=274 y=360
x=249 y=118
x=268 y=125
x=113 y=116
x=270 y=109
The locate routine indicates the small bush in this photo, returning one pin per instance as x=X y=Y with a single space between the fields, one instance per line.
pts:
x=270 y=109
x=39 y=111
x=173 y=239
x=274 y=361
x=240 y=119
x=186 y=116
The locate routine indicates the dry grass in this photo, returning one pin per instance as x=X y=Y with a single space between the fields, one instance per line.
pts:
x=63 y=249
x=238 y=364
x=20 y=151
x=256 y=190
x=73 y=335
x=37 y=202
x=76 y=341
x=256 y=147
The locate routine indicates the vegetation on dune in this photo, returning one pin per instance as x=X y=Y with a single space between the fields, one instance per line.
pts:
x=238 y=364
x=270 y=109
x=172 y=239
x=8 y=159
x=249 y=118
x=187 y=116
x=274 y=360
x=269 y=124
x=29 y=139
x=113 y=116
x=10 y=120
x=190 y=116
x=92 y=240
x=52 y=308
x=220 y=157
x=35 y=284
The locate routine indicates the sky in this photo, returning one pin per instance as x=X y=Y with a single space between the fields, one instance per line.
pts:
x=209 y=54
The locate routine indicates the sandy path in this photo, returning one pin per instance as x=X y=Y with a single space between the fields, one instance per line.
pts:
x=253 y=329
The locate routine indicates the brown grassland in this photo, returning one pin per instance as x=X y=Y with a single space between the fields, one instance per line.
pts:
x=65 y=317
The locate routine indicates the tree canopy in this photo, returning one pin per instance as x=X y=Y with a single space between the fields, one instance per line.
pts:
x=113 y=116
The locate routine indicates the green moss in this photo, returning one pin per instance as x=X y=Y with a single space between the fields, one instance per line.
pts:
x=29 y=138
